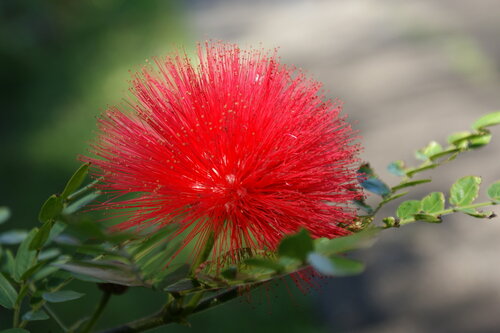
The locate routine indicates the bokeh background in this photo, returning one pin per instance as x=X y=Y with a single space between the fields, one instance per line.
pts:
x=408 y=72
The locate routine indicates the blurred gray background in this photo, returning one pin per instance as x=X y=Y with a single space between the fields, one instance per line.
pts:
x=408 y=72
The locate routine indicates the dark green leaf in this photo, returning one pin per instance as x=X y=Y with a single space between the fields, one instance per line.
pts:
x=51 y=208
x=488 y=120
x=25 y=258
x=41 y=236
x=397 y=168
x=296 y=246
x=79 y=204
x=183 y=285
x=427 y=218
x=431 y=149
x=464 y=191
x=8 y=294
x=410 y=183
x=13 y=237
x=433 y=202
x=264 y=263
x=408 y=208
x=34 y=316
x=4 y=214
x=10 y=262
x=107 y=271
x=230 y=273
x=494 y=191
x=334 y=266
x=61 y=296
x=76 y=180
x=343 y=244
x=178 y=274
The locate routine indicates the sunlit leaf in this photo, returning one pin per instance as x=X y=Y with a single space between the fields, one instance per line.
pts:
x=494 y=191
x=433 y=202
x=464 y=191
x=431 y=149
x=408 y=208
x=490 y=119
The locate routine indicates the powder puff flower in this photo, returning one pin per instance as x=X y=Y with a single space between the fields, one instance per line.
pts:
x=235 y=148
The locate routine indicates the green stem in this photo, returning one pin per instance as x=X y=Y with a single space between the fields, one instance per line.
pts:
x=98 y=312
x=54 y=316
x=84 y=189
x=450 y=211
x=15 y=320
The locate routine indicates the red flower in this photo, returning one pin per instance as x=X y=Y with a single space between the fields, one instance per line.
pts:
x=237 y=146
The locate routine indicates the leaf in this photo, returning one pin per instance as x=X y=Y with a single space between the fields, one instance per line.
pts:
x=76 y=180
x=8 y=294
x=428 y=151
x=494 y=191
x=52 y=207
x=334 y=266
x=477 y=214
x=362 y=205
x=184 y=285
x=25 y=258
x=13 y=237
x=41 y=236
x=408 y=209
x=62 y=296
x=410 y=183
x=427 y=218
x=464 y=191
x=80 y=203
x=456 y=138
x=175 y=276
x=488 y=120
x=397 y=168
x=446 y=152
x=296 y=246
x=107 y=271
x=264 y=263
x=433 y=202
x=343 y=244
x=376 y=186
x=4 y=214
x=35 y=315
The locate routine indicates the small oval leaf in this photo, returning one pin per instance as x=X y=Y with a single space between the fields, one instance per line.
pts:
x=494 y=191
x=433 y=202
x=76 y=180
x=296 y=246
x=52 y=207
x=35 y=315
x=408 y=209
x=464 y=191
x=8 y=294
x=490 y=119
x=62 y=296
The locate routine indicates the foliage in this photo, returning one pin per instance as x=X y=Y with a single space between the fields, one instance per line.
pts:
x=37 y=264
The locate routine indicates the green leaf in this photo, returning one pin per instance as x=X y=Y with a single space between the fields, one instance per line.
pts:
x=343 y=244
x=4 y=214
x=433 y=202
x=264 y=263
x=62 y=296
x=431 y=149
x=334 y=266
x=494 y=191
x=488 y=120
x=80 y=203
x=456 y=138
x=296 y=246
x=52 y=207
x=107 y=271
x=427 y=218
x=76 y=180
x=15 y=330
x=476 y=213
x=408 y=209
x=480 y=140
x=25 y=258
x=35 y=315
x=41 y=236
x=464 y=191
x=410 y=183
x=397 y=168
x=446 y=152
x=8 y=294
x=12 y=237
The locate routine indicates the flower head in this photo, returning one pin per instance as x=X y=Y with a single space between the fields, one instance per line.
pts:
x=236 y=147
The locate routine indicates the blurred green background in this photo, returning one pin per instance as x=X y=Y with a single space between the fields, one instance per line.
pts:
x=62 y=63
